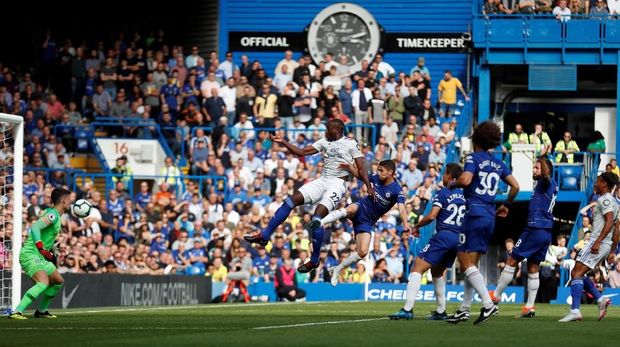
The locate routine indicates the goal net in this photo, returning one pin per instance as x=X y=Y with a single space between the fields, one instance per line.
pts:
x=11 y=208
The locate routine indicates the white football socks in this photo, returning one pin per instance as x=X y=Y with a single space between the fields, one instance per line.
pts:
x=353 y=258
x=477 y=281
x=504 y=280
x=413 y=286
x=533 y=282
x=334 y=216
x=440 y=293
x=468 y=296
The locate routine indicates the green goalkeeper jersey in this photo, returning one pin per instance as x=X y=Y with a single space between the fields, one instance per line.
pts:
x=49 y=225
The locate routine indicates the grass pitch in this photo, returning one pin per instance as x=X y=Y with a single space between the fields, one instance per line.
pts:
x=306 y=324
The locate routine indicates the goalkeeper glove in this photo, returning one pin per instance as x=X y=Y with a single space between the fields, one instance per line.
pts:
x=45 y=253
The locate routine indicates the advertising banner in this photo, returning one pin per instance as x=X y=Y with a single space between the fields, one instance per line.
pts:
x=377 y=292
x=100 y=290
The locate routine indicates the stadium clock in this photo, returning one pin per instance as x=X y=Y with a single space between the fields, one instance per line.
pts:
x=344 y=29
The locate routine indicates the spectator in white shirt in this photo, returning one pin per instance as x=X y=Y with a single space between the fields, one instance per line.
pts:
x=385 y=68
x=228 y=67
x=614 y=6
x=192 y=59
x=229 y=94
x=244 y=124
x=282 y=78
x=389 y=131
x=288 y=60
x=329 y=62
x=207 y=86
x=562 y=12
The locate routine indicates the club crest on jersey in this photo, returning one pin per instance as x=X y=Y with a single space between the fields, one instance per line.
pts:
x=388 y=194
x=606 y=203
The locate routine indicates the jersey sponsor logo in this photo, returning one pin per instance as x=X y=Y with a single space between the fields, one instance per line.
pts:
x=66 y=300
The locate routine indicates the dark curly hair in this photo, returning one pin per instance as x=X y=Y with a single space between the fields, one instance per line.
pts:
x=610 y=179
x=487 y=135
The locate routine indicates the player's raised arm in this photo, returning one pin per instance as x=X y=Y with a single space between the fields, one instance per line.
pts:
x=363 y=176
x=352 y=168
x=300 y=152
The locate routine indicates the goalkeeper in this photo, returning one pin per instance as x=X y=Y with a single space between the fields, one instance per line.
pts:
x=37 y=259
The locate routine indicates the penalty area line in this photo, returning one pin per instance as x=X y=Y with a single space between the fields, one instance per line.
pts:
x=318 y=323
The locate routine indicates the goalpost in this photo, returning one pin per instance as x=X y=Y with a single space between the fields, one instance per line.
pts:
x=11 y=208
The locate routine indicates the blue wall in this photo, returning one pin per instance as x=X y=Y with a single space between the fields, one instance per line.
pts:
x=394 y=16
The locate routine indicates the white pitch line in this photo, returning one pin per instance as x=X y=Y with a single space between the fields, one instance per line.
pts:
x=210 y=306
x=318 y=323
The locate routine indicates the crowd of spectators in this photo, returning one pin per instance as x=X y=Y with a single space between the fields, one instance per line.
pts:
x=563 y=10
x=173 y=226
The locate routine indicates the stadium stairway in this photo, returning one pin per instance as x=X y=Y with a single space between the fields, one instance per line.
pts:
x=90 y=164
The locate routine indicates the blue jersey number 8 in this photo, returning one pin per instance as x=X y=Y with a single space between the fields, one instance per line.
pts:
x=489 y=182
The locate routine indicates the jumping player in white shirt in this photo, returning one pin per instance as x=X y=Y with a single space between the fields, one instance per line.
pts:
x=602 y=245
x=326 y=190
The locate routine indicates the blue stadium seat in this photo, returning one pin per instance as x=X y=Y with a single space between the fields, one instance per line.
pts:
x=570 y=183
x=571 y=171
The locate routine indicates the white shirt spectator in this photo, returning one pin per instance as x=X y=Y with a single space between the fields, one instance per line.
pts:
x=290 y=164
x=333 y=81
x=564 y=13
x=207 y=86
x=246 y=125
x=214 y=213
x=312 y=127
x=228 y=67
x=355 y=97
x=229 y=94
x=270 y=165
x=293 y=134
x=281 y=80
x=390 y=132
x=614 y=6
x=386 y=69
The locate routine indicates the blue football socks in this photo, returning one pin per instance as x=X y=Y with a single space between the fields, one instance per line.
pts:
x=317 y=242
x=576 y=289
x=278 y=218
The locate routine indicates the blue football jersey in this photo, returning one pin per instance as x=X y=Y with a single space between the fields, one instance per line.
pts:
x=452 y=204
x=540 y=212
x=387 y=197
x=487 y=172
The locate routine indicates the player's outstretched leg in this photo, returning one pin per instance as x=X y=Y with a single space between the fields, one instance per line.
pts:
x=576 y=290
x=278 y=218
x=46 y=297
x=317 y=233
x=317 y=243
x=31 y=295
x=362 y=239
x=439 y=284
x=363 y=242
x=601 y=301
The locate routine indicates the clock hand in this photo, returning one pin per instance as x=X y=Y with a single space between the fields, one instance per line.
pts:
x=358 y=35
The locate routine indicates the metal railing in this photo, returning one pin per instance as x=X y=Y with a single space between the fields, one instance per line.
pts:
x=219 y=183
x=575 y=31
x=69 y=174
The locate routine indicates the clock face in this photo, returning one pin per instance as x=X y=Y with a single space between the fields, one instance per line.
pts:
x=345 y=34
x=344 y=29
